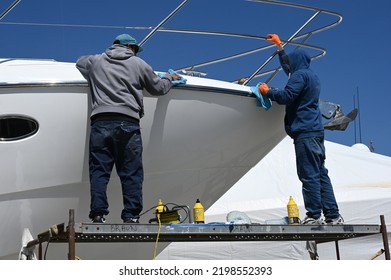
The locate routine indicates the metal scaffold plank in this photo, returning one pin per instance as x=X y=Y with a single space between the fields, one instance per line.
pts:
x=96 y=232
x=90 y=232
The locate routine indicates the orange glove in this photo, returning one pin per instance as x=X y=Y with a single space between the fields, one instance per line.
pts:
x=274 y=39
x=263 y=88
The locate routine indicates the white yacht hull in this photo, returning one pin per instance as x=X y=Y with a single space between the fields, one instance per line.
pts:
x=199 y=140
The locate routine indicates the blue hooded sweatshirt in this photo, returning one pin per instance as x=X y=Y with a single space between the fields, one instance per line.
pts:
x=300 y=95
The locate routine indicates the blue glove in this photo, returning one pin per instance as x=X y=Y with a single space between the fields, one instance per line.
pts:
x=262 y=101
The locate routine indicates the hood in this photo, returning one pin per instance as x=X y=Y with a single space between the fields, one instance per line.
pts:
x=298 y=59
x=119 y=52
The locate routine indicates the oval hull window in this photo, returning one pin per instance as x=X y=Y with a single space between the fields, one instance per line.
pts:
x=17 y=127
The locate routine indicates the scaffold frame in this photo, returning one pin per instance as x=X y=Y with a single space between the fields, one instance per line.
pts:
x=214 y=232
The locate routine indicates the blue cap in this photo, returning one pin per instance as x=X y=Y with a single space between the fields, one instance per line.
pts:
x=126 y=39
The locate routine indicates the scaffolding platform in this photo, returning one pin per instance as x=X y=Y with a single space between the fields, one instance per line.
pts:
x=89 y=232
x=214 y=232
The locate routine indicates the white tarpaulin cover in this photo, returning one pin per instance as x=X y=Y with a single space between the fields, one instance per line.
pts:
x=362 y=186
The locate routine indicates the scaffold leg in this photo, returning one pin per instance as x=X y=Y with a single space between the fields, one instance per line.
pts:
x=71 y=235
x=383 y=230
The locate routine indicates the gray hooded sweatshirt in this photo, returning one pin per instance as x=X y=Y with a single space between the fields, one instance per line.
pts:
x=117 y=78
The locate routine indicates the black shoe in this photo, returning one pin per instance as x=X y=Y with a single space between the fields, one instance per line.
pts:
x=98 y=219
x=131 y=221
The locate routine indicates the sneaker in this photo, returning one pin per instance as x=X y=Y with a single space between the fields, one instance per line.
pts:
x=131 y=221
x=98 y=219
x=312 y=221
x=336 y=221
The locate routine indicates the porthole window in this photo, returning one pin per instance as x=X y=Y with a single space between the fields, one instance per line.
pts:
x=14 y=127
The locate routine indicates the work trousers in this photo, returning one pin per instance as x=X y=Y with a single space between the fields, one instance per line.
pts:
x=318 y=194
x=116 y=142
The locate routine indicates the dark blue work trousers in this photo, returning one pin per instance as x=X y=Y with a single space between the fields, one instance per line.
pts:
x=116 y=142
x=318 y=193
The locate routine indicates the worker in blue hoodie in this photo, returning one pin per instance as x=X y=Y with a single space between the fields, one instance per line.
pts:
x=117 y=78
x=303 y=123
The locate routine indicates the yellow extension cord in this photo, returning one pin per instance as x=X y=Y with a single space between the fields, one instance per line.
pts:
x=157 y=236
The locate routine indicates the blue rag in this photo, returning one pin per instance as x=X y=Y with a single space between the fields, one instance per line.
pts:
x=262 y=101
x=174 y=82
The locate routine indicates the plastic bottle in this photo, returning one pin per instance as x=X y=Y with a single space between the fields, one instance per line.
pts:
x=198 y=211
x=293 y=212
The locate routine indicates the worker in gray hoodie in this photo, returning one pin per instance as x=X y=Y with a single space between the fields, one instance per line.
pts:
x=303 y=123
x=116 y=79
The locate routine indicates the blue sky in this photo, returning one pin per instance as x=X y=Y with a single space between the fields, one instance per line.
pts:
x=353 y=67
